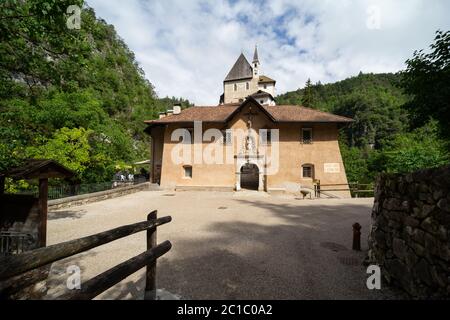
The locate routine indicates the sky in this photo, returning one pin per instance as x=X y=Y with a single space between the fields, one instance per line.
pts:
x=187 y=47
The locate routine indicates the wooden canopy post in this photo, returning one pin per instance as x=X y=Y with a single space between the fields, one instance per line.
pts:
x=43 y=211
x=150 y=278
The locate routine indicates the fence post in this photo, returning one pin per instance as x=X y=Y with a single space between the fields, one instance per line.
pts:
x=318 y=188
x=150 y=277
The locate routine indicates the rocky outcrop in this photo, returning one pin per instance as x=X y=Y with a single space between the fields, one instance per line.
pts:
x=410 y=232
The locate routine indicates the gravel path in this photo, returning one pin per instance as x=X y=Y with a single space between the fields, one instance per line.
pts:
x=242 y=245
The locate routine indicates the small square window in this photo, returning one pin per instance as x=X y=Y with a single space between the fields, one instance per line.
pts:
x=187 y=171
x=307 y=135
x=227 y=137
x=307 y=172
x=266 y=137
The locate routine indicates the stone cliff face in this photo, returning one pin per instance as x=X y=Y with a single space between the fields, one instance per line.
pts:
x=410 y=233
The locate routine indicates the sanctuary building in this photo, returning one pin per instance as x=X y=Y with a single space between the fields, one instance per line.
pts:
x=247 y=141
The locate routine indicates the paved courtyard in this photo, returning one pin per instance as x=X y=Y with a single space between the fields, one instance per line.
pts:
x=244 y=245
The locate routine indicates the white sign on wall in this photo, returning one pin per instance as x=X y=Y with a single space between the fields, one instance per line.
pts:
x=331 y=168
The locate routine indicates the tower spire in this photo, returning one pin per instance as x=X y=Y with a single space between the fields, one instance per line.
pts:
x=255 y=55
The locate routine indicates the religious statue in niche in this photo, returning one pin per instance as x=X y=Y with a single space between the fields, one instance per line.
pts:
x=249 y=145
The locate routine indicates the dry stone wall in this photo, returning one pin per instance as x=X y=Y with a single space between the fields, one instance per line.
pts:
x=410 y=232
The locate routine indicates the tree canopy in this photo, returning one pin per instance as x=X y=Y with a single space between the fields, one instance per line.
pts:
x=402 y=120
x=427 y=80
x=74 y=95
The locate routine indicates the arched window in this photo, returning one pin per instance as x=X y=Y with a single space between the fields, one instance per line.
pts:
x=308 y=171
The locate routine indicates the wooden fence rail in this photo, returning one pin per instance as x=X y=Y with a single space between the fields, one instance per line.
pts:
x=18 y=271
x=354 y=187
x=107 y=279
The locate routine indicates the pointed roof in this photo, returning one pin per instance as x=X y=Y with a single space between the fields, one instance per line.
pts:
x=241 y=70
x=255 y=55
x=38 y=168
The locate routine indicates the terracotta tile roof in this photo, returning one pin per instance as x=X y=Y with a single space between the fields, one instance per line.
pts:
x=292 y=113
x=206 y=114
x=260 y=94
x=265 y=79
x=279 y=113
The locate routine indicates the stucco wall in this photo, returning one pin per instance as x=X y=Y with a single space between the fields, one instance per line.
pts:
x=324 y=149
x=241 y=93
x=270 y=88
x=156 y=152
x=410 y=231
x=172 y=174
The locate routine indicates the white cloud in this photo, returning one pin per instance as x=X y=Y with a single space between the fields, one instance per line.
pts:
x=186 y=47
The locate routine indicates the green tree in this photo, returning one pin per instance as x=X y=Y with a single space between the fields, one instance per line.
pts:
x=308 y=94
x=54 y=79
x=427 y=80
x=419 y=149
x=70 y=147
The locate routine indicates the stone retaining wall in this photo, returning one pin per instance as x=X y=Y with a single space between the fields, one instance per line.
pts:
x=98 y=196
x=410 y=232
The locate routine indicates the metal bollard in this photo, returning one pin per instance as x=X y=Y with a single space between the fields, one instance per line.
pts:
x=356 y=236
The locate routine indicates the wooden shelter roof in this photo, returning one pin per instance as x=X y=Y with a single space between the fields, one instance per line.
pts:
x=38 y=169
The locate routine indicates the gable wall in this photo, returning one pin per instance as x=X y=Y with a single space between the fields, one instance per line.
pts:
x=232 y=96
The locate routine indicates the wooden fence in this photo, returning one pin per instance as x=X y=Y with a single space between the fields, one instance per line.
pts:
x=356 y=189
x=18 y=272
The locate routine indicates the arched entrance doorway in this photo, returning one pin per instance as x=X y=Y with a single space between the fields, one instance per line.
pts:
x=250 y=176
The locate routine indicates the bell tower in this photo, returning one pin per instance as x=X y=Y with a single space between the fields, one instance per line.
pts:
x=255 y=63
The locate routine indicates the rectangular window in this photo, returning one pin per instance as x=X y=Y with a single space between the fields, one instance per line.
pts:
x=265 y=86
x=266 y=137
x=227 y=137
x=307 y=137
x=247 y=86
x=307 y=172
x=187 y=171
x=235 y=87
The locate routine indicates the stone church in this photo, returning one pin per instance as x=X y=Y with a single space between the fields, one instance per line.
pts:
x=256 y=144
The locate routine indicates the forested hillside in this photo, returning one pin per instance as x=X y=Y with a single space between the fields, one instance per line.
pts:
x=382 y=137
x=76 y=96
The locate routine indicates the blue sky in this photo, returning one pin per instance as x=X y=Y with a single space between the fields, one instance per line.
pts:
x=186 y=47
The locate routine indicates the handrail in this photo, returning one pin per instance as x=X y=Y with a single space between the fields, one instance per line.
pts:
x=353 y=187
x=15 y=265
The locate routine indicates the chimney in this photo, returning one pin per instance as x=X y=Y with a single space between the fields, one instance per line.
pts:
x=169 y=112
x=162 y=115
x=176 y=109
